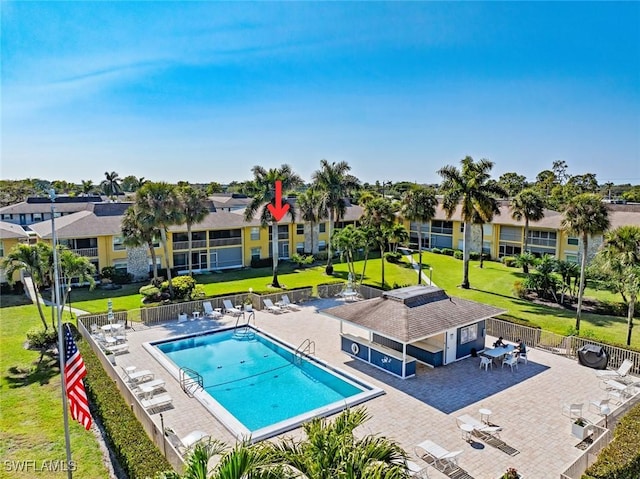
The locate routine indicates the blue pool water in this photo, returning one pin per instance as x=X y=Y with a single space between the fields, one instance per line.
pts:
x=258 y=381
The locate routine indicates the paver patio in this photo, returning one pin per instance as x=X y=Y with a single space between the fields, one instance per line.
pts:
x=526 y=403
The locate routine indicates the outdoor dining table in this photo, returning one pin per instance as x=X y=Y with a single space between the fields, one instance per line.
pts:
x=499 y=352
x=111 y=327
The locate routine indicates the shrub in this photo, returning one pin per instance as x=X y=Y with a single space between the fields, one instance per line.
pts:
x=302 y=260
x=519 y=290
x=393 y=257
x=133 y=449
x=447 y=251
x=183 y=287
x=474 y=256
x=486 y=256
x=621 y=458
x=150 y=292
x=108 y=272
x=457 y=254
x=261 y=262
x=322 y=255
x=509 y=261
x=436 y=250
x=41 y=339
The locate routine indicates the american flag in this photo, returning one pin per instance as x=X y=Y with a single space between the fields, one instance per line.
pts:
x=74 y=372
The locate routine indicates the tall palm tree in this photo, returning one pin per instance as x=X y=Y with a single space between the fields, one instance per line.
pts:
x=469 y=187
x=585 y=215
x=32 y=260
x=87 y=187
x=73 y=265
x=419 y=206
x=397 y=235
x=335 y=183
x=111 y=184
x=348 y=241
x=193 y=203
x=262 y=190
x=139 y=229
x=621 y=253
x=313 y=209
x=159 y=203
x=331 y=449
x=527 y=205
x=379 y=216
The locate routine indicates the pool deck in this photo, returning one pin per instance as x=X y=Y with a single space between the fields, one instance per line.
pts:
x=527 y=403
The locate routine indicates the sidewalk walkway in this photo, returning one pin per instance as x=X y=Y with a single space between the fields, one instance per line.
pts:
x=425 y=279
x=30 y=291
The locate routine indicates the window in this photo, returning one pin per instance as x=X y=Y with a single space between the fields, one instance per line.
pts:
x=300 y=228
x=36 y=216
x=1 y=248
x=299 y=248
x=505 y=249
x=322 y=227
x=487 y=229
x=572 y=241
x=7 y=217
x=542 y=238
x=461 y=227
x=255 y=253
x=571 y=258
x=121 y=267
x=118 y=244
x=255 y=233
x=322 y=245
x=442 y=227
x=468 y=334
x=511 y=233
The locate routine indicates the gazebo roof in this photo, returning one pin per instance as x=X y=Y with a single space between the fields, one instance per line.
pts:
x=413 y=313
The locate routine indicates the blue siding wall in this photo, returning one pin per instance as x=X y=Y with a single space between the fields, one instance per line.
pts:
x=435 y=359
x=363 y=352
x=390 y=343
x=463 y=350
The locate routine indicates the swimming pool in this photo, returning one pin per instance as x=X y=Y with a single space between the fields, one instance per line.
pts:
x=257 y=385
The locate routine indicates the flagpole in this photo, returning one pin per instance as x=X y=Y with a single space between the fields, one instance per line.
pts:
x=61 y=348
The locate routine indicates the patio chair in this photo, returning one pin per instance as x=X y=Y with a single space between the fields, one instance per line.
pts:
x=486 y=363
x=156 y=402
x=183 y=444
x=272 y=308
x=286 y=303
x=572 y=410
x=229 y=308
x=621 y=372
x=522 y=357
x=599 y=406
x=479 y=426
x=416 y=471
x=618 y=391
x=510 y=360
x=209 y=312
x=135 y=376
x=439 y=455
x=118 y=348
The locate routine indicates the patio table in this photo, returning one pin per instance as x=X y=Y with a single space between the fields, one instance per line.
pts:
x=499 y=352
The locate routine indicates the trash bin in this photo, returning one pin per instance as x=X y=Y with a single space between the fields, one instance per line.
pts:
x=593 y=356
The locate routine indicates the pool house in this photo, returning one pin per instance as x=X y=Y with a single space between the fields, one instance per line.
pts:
x=416 y=324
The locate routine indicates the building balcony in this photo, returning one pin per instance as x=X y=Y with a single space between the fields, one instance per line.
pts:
x=88 y=252
x=225 y=242
x=184 y=245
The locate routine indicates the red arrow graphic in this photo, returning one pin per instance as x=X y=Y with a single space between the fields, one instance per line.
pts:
x=279 y=210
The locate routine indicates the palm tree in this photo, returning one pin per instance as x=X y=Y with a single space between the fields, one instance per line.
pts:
x=87 y=187
x=527 y=204
x=348 y=241
x=32 y=260
x=262 y=189
x=335 y=183
x=470 y=187
x=585 y=215
x=193 y=203
x=138 y=229
x=159 y=203
x=379 y=216
x=397 y=234
x=312 y=208
x=419 y=205
x=621 y=253
x=73 y=265
x=111 y=184
x=331 y=449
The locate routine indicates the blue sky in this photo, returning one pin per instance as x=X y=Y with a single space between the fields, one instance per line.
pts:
x=203 y=91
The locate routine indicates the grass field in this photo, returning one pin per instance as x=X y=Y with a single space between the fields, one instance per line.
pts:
x=31 y=408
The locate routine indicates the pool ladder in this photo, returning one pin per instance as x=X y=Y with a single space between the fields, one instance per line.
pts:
x=245 y=332
x=306 y=347
x=190 y=381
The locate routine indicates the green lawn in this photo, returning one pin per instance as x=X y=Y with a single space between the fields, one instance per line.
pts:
x=493 y=285
x=31 y=406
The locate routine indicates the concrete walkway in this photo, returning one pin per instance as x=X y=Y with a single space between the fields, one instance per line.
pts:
x=30 y=291
x=426 y=280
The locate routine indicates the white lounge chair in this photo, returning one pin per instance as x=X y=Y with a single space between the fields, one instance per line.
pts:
x=621 y=372
x=118 y=348
x=135 y=376
x=184 y=443
x=209 y=312
x=416 y=471
x=440 y=456
x=288 y=304
x=229 y=308
x=149 y=388
x=157 y=402
x=272 y=308
x=479 y=426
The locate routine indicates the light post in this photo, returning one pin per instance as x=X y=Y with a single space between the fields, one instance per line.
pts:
x=69 y=298
x=430 y=274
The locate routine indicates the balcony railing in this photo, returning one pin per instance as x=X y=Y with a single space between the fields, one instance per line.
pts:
x=180 y=245
x=88 y=252
x=225 y=242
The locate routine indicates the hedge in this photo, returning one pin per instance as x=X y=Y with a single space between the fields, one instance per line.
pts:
x=621 y=458
x=457 y=254
x=136 y=453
